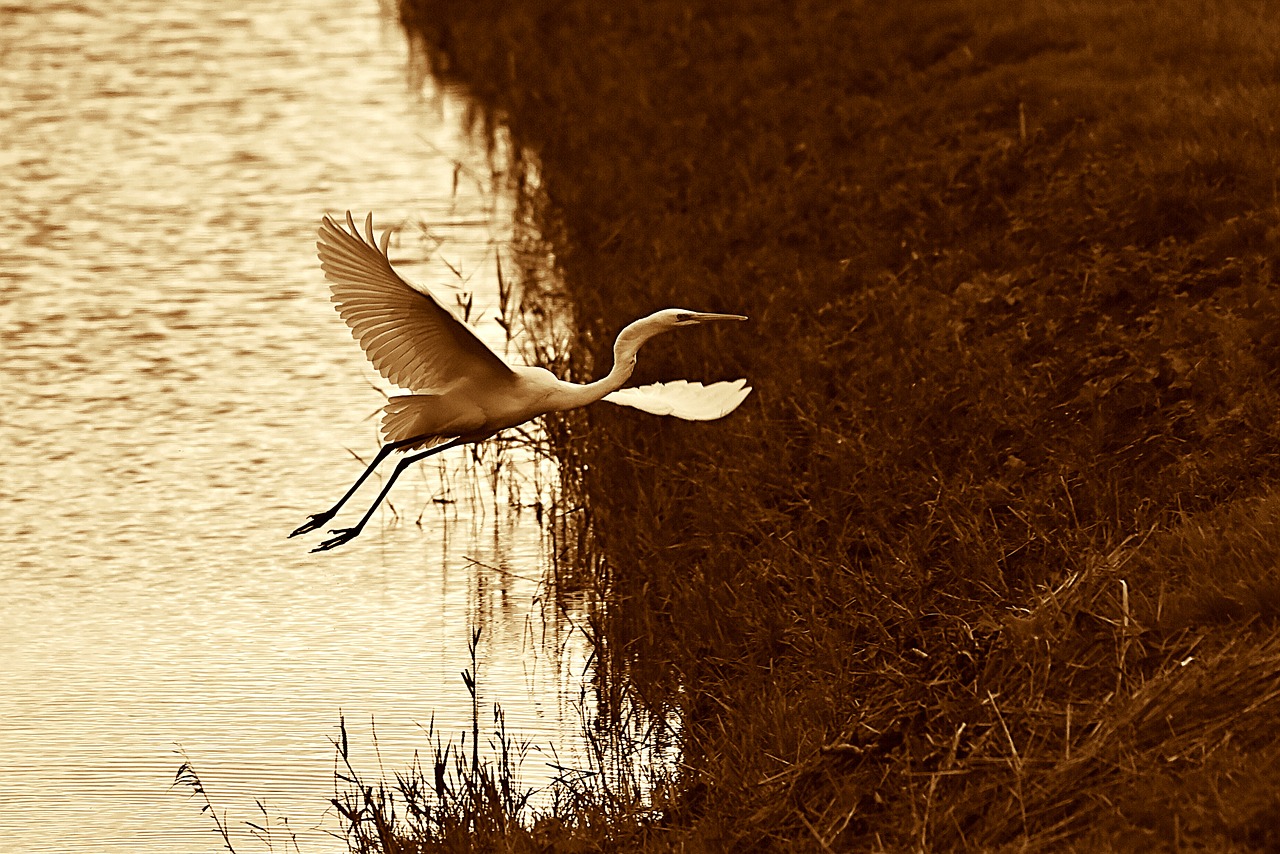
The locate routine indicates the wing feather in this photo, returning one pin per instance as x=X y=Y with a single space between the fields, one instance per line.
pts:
x=413 y=340
x=683 y=399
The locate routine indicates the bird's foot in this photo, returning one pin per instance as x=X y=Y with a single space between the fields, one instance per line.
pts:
x=344 y=535
x=316 y=521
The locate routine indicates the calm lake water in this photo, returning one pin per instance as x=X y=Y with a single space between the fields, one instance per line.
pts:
x=179 y=395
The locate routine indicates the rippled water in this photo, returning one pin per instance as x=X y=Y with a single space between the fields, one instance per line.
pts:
x=179 y=395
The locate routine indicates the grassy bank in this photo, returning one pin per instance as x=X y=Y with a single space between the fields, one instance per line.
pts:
x=990 y=558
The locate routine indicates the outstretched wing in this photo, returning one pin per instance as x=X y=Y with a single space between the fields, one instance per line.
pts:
x=413 y=340
x=683 y=399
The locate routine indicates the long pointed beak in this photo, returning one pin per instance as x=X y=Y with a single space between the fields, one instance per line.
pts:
x=706 y=317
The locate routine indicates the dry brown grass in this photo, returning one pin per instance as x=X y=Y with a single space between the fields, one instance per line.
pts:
x=988 y=559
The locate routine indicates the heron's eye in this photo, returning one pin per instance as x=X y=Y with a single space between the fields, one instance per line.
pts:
x=683 y=317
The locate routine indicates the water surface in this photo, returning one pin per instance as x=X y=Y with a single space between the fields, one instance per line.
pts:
x=180 y=395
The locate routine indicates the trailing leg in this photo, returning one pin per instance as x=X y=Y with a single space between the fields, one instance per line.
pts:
x=316 y=520
x=347 y=534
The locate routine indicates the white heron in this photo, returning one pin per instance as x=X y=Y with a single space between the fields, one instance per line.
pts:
x=462 y=391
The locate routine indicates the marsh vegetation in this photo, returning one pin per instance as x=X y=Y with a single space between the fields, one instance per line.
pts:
x=989 y=560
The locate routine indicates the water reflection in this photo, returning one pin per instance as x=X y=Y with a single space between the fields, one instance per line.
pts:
x=179 y=393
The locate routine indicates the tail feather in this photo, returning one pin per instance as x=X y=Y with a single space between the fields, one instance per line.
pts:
x=436 y=418
x=403 y=418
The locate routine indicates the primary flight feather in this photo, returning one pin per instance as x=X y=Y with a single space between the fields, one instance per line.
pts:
x=461 y=390
x=413 y=340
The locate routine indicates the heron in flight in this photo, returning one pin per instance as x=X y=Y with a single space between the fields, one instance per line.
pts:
x=462 y=391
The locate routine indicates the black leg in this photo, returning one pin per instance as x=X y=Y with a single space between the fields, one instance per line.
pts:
x=345 y=535
x=316 y=520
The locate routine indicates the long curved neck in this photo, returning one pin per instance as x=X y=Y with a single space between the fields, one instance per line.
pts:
x=625 y=348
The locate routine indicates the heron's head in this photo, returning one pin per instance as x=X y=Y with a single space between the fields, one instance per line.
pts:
x=673 y=317
x=630 y=339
